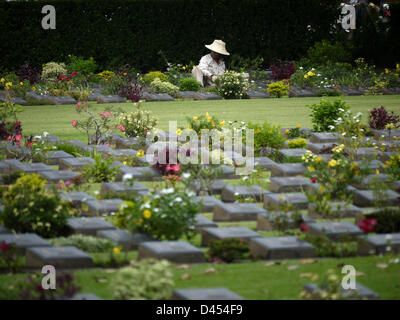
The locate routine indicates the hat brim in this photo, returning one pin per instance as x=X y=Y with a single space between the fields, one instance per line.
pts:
x=218 y=50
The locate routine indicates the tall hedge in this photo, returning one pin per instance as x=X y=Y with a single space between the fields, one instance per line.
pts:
x=133 y=32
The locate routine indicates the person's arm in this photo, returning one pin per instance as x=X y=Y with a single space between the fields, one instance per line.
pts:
x=203 y=65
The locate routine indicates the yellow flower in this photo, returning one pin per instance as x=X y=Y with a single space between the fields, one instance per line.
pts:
x=184 y=68
x=2 y=80
x=318 y=159
x=332 y=163
x=213 y=123
x=287 y=130
x=139 y=223
x=222 y=123
x=305 y=76
x=311 y=169
x=21 y=83
x=311 y=73
x=377 y=171
x=140 y=154
x=321 y=188
x=178 y=132
x=257 y=131
x=353 y=165
x=124 y=162
x=9 y=85
x=33 y=89
x=281 y=197
x=147 y=214
x=386 y=70
x=195 y=118
x=117 y=250
x=299 y=126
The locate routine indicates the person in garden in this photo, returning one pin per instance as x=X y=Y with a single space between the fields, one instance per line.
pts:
x=211 y=65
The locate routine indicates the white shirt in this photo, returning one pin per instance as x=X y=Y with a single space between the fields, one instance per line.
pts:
x=210 y=67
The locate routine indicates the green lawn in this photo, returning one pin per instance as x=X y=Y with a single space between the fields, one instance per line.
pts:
x=286 y=112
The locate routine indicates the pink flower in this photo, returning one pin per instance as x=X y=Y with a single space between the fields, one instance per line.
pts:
x=29 y=144
x=59 y=185
x=122 y=128
x=74 y=123
x=106 y=114
x=107 y=144
x=303 y=227
x=4 y=246
x=9 y=138
x=67 y=183
x=367 y=225
x=17 y=137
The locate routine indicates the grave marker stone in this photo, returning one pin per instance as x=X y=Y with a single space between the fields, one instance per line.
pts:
x=98 y=207
x=335 y=231
x=174 y=251
x=76 y=164
x=379 y=244
x=88 y=226
x=366 y=198
x=236 y=211
x=297 y=200
x=205 y=294
x=287 y=169
x=229 y=193
x=53 y=157
x=24 y=241
x=324 y=137
x=288 y=184
x=207 y=203
x=206 y=96
x=55 y=176
x=208 y=234
x=361 y=292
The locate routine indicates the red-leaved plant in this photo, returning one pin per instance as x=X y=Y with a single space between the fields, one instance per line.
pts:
x=282 y=70
x=367 y=225
x=380 y=117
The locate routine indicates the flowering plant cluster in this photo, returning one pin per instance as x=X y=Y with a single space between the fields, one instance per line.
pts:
x=324 y=114
x=232 y=85
x=162 y=161
x=297 y=143
x=136 y=124
x=278 y=89
x=10 y=257
x=392 y=167
x=266 y=135
x=367 y=225
x=166 y=215
x=31 y=207
x=52 y=71
x=197 y=123
x=159 y=86
x=380 y=117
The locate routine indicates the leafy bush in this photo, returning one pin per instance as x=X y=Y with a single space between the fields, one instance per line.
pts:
x=387 y=220
x=189 y=84
x=324 y=114
x=267 y=135
x=151 y=76
x=137 y=124
x=380 y=117
x=86 y=243
x=278 y=89
x=297 y=143
x=30 y=207
x=131 y=89
x=228 y=250
x=10 y=257
x=166 y=215
x=392 y=167
x=83 y=66
x=198 y=123
x=324 y=52
x=282 y=70
x=328 y=248
x=27 y=72
x=148 y=279
x=232 y=85
x=52 y=71
x=159 y=86
x=101 y=170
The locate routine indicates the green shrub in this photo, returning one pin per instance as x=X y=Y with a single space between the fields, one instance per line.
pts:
x=52 y=70
x=159 y=86
x=388 y=220
x=82 y=66
x=297 y=143
x=278 y=89
x=324 y=52
x=146 y=280
x=86 y=243
x=189 y=84
x=267 y=135
x=101 y=170
x=328 y=248
x=228 y=250
x=137 y=123
x=30 y=207
x=324 y=114
x=232 y=85
x=151 y=76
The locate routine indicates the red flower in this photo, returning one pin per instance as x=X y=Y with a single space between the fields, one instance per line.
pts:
x=367 y=225
x=4 y=246
x=303 y=227
x=174 y=168
x=313 y=180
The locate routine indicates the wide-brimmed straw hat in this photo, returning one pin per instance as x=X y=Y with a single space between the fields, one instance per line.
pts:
x=218 y=46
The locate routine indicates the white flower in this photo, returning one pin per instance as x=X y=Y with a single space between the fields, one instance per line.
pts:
x=96 y=192
x=127 y=176
x=167 y=191
x=45 y=134
x=186 y=175
x=178 y=199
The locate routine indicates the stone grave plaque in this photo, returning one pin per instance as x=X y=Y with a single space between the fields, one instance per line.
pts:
x=336 y=231
x=157 y=97
x=85 y=296
x=321 y=148
x=4 y=230
x=339 y=209
x=385 y=135
x=255 y=94
x=59 y=257
x=53 y=157
x=366 y=198
x=121 y=188
x=229 y=193
x=61 y=100
x=203 y=222
x=361 y=292
x=98 y=207
x=77 y=143
x=300 y=93
x=88 y=226
x=370 y=164
x=55 y=176
x=24 y=241
x=207 y=203
x=187 y=94
x=350 y=91
x=140 y=173
x=76 y=198
x=366 y=182
x=174 y=251
x=110 y=99
x=272 y=219
x=278 y=248
x=101 y=148
x=287 y=169
x=394 y=90
x=123 y=238
x=16 y=100
x=379 y=244
x=14 y=151
x=236 y=211
x=5 y=167
x=208 y=234
x=76 y=164
x=206 y=96
x=292 y=153
x=288 y=184
x=324 y=137
x=228 y=172
x=297 y=200
x=264 y=162
x=118 y=153
x=205 y=294
x=365 y=153
x=215 y=187
x=33 y=96
x=34 y=167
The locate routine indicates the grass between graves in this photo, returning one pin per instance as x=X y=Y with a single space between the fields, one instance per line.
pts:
x=286 y=112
